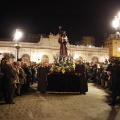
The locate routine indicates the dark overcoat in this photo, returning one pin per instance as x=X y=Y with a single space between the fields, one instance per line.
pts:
x=9 y=79
x=83 y=81
x=42 y=77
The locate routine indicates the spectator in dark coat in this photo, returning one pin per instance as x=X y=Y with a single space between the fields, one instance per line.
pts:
x=115 y=75
x=28 y=76
x=9 y=82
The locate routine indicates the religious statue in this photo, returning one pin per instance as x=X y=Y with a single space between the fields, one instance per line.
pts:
x=63 y=41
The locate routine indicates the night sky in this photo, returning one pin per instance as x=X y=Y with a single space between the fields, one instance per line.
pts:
x=77 y=17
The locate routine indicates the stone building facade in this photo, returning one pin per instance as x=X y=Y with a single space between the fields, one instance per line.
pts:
x=113 y=44
x=47 y=47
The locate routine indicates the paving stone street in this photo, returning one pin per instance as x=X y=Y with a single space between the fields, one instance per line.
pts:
x=61 y=106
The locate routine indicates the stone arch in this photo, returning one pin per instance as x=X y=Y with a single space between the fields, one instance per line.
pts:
x=94 y=59
x=45 y=58
x=26 y=58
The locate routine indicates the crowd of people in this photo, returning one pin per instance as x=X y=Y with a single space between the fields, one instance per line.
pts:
x=107 y=75
x=17 y=77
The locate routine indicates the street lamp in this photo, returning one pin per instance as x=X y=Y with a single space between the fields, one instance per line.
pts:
x=119 y=49
x=17 y=36
x=116 y=24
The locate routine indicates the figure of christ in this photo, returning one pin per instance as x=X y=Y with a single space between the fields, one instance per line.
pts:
x=63 y=41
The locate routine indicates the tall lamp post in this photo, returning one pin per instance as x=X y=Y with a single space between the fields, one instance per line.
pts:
x=116 y=24
x=17 y=36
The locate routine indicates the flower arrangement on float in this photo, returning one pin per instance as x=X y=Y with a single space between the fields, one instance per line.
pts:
x=63 y=64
